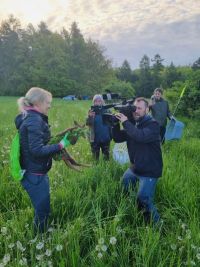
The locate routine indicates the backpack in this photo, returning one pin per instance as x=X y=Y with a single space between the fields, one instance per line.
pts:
x=15 y=168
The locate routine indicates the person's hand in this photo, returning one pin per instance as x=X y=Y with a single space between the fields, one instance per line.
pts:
x=121 y=117
x=74 y=139
x=65 y=142
x=91 y=113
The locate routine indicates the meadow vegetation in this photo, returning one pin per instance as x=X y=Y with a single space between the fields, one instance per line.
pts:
x=92 y=223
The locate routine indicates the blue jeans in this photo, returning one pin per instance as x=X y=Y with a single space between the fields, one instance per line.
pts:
x=37 y=187
x=145 y=195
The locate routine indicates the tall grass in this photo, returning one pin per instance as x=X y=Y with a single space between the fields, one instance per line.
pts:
x=92 y=222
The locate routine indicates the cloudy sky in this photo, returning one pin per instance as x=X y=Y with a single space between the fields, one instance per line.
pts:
x=128 y=29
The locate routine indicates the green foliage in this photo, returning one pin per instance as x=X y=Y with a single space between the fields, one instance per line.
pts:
x=64 y=63
x=121 y=87
x=92 y=222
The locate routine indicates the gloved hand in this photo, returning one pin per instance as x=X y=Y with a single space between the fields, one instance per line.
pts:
x=65 y=142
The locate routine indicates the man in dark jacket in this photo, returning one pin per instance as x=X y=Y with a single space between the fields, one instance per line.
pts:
x=100 y=133
x=143 y=143
x=160 y=111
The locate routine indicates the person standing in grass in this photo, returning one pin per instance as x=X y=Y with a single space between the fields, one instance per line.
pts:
x=160 y=111
x=143 y=143
x=35 y=153
x=100 y=133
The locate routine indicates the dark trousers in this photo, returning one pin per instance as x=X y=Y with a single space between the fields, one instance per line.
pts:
x=162 y=134
x=37 y=187
x=105 y=148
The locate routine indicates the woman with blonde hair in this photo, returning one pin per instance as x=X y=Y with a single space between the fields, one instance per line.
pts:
x=35 y=153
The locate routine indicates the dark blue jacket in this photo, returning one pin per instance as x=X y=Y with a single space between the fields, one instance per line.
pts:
x=143 y=143
x=35 y=154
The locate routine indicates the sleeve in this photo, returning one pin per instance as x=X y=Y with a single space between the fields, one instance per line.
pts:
x=118 y=135
x=89 y=121
x=147 y=134
x=169 y=115
x=36 y=141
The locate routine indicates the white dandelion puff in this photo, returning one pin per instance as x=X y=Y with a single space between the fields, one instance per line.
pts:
x=23 y=262
x=59 y=247
x=40 y=245
x=3 y=230
x=104 y=248
x=173 y=246
x=99 y=255
x=6 y=259
x=113 y=240
x=48 y=253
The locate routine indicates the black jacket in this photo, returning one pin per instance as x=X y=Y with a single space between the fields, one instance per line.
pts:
x=35 y=154
x=143 y=143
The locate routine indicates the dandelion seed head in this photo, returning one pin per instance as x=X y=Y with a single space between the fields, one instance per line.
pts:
x=104 y=248
x=113 y=240
x=101 y=241
x=4 y=230
x=23 y=262
x=99 y=255
x=59 y=247
x=6 y=259
x=40 y=245
x=173 y=246
x=11 y=245
x=39 y=257
x=48 y=253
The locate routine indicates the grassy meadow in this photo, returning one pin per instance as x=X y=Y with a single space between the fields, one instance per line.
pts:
x=92 y=222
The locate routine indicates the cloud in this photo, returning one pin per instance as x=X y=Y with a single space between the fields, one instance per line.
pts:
x=128 y=29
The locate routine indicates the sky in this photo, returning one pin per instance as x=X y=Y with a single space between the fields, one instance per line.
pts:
x=127 y=29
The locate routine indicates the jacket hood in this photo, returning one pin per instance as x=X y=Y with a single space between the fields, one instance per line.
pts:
x=19 y=120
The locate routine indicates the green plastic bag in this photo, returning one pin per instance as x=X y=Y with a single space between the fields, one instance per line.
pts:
x=15 y=168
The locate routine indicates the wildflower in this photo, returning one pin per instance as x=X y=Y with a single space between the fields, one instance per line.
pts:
x=59 y=247
x=50 y=229
x=23 y=262
x=97 y=248
x=183 y=226
x=39 y=257
x=19 y=246
x=179 y=238
x=104 y=248
x=33 y=240
x=8 y=237
x=113 y=240
x=48 y=253
x=40 y=245
x=3 y=230
x=11 y=245
x=173 y=246
x=6 y=259
x=99 y=255
x=181 y=249
x=49 y=264
x=101 y=241
x=117 y=218
x=119 y=230
x=198 y=256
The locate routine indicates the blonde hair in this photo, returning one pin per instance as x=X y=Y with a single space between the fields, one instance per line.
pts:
x=33 y=96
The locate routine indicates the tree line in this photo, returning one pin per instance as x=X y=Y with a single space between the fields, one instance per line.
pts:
x=67 y=63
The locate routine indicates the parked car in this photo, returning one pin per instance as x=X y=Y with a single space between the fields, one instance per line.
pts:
x=69 y=97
